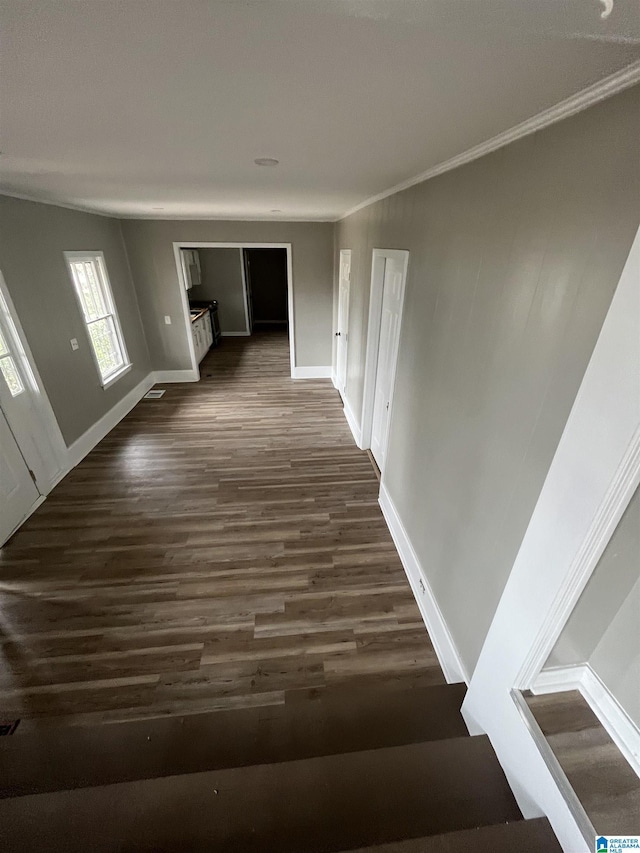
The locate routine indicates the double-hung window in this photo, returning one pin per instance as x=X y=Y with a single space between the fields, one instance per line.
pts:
x=91 y=283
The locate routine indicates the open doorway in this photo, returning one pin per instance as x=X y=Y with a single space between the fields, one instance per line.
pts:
x=265 y=272
x=234 y=290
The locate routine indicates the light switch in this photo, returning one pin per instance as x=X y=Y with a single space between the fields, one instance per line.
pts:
x=167 y=319
x=74 y=344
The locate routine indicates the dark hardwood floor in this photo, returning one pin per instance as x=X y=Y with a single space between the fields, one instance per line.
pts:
x=221 y=548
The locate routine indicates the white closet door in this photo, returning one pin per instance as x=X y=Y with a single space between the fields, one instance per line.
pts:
x=387 y=350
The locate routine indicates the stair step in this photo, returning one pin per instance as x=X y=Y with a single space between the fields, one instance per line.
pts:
x=334 y=721
x=316 y=805
x=522 y=836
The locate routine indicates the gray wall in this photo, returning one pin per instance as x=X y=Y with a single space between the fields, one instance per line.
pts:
x=222 y=280
x=514 y=261
x=33 y=238
x=149 y=243
x=604 y=627
x=617 y=656
x=609 y=585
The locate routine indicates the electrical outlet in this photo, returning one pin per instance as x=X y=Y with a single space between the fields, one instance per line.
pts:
x=74 y=344
x=422 y=586
x=167 y=320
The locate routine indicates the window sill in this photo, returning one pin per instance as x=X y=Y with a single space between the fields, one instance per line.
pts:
x=107 y=383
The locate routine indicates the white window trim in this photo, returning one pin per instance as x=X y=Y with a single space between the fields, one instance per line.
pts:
x=71 y=257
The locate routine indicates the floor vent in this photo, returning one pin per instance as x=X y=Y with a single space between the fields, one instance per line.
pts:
x=8 y=728
x=153 y=395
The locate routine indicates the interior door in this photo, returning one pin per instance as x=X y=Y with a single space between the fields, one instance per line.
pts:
x=22 y=404
x=343 y=319
x=18 y=492
x=387 y=350
x=247 y=287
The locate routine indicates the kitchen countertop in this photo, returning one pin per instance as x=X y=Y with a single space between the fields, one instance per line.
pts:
x=200 y=313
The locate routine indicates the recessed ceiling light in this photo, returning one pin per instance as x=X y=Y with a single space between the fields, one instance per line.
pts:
x=276 y=211
x=266 y=161
x=157 y=208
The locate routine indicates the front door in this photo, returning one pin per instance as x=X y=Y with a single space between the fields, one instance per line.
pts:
x=392 y=294
x=343 y=319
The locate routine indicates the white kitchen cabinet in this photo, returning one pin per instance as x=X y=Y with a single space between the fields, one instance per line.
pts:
x=202 y=335
x=191 y=267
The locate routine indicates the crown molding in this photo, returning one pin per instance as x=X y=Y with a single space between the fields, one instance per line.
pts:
x=600 y=91
x=53 y=203
x=178 y=218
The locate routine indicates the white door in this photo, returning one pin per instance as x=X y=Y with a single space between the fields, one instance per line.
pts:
x=392 y=295
x=24 y=404
x=18 y=492
x=343 y=319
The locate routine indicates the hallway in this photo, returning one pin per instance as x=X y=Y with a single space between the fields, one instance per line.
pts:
x=221 y=548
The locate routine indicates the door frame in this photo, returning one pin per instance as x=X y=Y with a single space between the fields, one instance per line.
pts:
x=378 y=263
x=204 y=244
x=57 y=461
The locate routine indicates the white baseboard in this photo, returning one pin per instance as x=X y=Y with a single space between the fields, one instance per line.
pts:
x=311 y=372
x=235 y=334
x=164 y=377
x=354 y=426
x=621 y=729
x=88 y=440
x=443 y=644
x=334 y=379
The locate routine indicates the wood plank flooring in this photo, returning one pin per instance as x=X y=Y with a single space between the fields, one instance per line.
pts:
x=602 y=779
x=222 y=547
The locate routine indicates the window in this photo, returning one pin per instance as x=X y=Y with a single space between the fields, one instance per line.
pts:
x=9 y=369
x=89 y=275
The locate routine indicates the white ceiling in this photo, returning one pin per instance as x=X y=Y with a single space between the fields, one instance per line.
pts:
x=124 y=106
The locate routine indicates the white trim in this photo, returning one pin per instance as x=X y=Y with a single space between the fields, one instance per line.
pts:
x=354 y=426
x=185 y=244
x=245 y=295
x=559 y=679
x=235 y=334
x=559 y=777
x=378 y=263
x=34 y=506
x=164 y=217
x=184 y=298
x=619 y=726
x=311 y=372
x=591 y=478
x=165 y=377
x=443 y=643
x=88 y=440
x=605 y=88
x=107 y=383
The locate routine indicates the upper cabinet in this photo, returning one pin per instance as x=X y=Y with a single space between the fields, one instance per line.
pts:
x=191 y=267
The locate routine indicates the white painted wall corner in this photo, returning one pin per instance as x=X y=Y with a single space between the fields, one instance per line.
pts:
x=443 y=644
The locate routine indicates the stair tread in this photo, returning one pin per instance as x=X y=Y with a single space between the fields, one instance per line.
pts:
x=522 y=836
x=318 y=805
x=329 y=723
